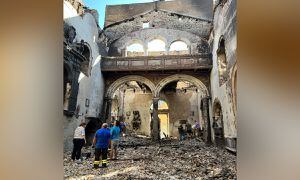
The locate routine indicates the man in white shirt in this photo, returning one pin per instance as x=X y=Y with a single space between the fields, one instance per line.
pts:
x=78 y=141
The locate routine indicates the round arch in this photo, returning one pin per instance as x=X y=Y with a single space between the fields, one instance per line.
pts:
x=159 y=37
x=178 y=45
x=185 y=40
x=156 y=45
x=216 y=103
x=134 y=41
x=218 y=122
x=136 y=46
x=182 y=77
x=115 y=85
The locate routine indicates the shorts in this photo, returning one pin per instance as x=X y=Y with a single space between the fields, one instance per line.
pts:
x=114 y=144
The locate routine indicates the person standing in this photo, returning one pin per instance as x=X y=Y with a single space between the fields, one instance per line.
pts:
x=115 y=137
x=196 y=129
x=189 y=129
x=181 y=132
x=78 y=142
x=101 y=143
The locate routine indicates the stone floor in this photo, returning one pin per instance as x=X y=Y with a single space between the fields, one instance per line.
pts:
x=140 y=158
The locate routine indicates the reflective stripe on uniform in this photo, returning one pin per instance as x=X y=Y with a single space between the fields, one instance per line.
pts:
x=105 y=161
x=96 y=162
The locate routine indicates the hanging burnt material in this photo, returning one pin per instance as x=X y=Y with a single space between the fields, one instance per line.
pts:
x=136 y=121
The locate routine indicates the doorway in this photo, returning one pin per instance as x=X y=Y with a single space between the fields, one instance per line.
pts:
x=163 y=116
x=218 y=124
x=164 y=124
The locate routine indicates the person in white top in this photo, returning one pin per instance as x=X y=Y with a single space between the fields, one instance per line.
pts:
x=78 y=141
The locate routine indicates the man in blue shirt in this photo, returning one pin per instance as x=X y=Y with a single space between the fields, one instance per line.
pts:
x=101 y=142
x=115 y=136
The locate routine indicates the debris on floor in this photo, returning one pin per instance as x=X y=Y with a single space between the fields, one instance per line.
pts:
x=140 y=158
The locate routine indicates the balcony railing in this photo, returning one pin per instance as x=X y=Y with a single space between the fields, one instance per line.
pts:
x=154 y=63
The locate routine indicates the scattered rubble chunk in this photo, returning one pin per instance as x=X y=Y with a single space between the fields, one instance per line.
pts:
x=140 y=158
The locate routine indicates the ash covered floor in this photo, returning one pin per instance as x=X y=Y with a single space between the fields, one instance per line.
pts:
x=140 y=158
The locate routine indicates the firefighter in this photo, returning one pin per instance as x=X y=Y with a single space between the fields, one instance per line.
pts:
x=101 y=143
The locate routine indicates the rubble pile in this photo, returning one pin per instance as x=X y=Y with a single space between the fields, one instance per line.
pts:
x=169 y=159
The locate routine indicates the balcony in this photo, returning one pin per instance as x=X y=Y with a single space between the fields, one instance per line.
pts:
x=157 y=63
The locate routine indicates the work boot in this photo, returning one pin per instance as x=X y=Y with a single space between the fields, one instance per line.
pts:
x=96 y=164
x=104 y=163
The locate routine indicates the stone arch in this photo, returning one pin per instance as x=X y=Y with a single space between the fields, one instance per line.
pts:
x=222 y=61
x=132 y=42
x=151 y=38
x=115 y=85
x=186 y=42
x=218 y=122
x=86 y=66
x=216 y=103
x=183 y=77
x=159 y=51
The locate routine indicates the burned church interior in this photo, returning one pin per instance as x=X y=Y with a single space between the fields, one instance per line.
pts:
x=155 y=66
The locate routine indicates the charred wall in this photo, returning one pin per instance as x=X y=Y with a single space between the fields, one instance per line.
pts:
x=195 y=8
x=223 y=86
x=90 y=82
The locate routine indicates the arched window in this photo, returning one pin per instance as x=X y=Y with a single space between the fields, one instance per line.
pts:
x=85 y=66
x=156 y=47
x=222 y=62
x=178 y=47
x=135 y=49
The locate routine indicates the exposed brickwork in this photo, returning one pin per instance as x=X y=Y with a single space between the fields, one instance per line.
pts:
x=159 y=19
x=196 y=8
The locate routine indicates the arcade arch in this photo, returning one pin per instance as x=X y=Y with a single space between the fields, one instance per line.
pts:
x=114 y=86
x=177 y=77
x=218 y=124
x=182 y=104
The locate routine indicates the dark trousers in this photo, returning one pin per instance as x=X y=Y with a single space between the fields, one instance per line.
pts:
x=78 y=144
x=103 y=153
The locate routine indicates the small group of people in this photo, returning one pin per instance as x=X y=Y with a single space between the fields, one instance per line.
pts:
x=104 y=138
x=188 y=131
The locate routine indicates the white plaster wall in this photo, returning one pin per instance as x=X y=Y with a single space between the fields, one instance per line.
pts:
x=91 y=87
x=223 y=26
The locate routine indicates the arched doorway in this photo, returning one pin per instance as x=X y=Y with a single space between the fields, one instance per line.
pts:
x=129 y=100
x=163 y=115
x=218 y=125
x=183 y=94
